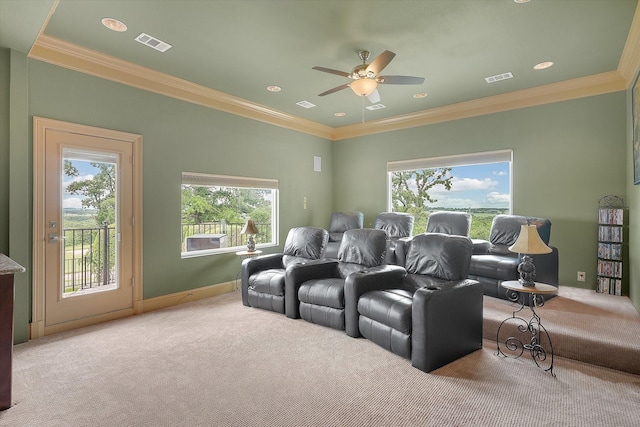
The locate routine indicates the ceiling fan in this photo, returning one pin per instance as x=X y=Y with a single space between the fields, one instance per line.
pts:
x=366 y=77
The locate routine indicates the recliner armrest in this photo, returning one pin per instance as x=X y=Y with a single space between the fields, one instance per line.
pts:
x=446 y=323
x=356 y=284
x=297 y=274
x=480 y=247
x=253 y=265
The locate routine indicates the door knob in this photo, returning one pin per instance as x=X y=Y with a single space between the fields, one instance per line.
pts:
x=54 y=238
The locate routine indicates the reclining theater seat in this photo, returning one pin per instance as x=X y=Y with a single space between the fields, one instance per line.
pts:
x=339 y=223
x=432 y=315
x=398 y=225
x=315 y=291
x=492 y=261
x=263 y=276
x=456 y=223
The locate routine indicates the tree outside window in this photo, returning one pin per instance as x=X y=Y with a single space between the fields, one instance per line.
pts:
x=480 y=189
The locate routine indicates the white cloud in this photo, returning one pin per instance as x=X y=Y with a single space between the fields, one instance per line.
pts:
x=500 y=173
x=464 y=184
x=495 y=198
x=72 y=203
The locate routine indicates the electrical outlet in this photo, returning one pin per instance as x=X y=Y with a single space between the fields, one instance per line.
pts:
x=582 y=276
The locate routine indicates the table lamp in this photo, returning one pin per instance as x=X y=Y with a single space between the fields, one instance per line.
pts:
x=528 y=243
x=250 y=230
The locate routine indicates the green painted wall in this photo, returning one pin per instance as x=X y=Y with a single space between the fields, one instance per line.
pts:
x=566 y=156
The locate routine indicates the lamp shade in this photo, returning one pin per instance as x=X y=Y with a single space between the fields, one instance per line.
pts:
x=249 y=228
x=529 y=241
x=363 y=86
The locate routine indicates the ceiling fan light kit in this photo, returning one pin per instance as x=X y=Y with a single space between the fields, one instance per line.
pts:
x=363 y=87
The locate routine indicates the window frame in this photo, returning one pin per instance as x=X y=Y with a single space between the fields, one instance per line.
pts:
x=214 y=180
x=470 y=159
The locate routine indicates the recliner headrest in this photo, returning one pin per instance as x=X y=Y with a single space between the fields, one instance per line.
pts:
x=343 y=221
x=306 y=242
x=364 y=246
x=458 y=223
x=444 y=256
x=396 y=224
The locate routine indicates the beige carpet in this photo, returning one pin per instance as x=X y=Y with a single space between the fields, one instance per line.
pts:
x=215 y=362
x=595 y=328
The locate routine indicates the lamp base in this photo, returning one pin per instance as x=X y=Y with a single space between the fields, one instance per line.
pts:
x=251 y=243
x=527 y=272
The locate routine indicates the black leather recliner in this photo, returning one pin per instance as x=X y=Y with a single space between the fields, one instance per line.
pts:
x=339 y=223
x=492 y=262
x=263 y=277
x=398 y=225
x=432 y=314
x=315 y=292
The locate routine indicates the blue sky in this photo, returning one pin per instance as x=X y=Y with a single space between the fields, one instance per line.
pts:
x=476 y=186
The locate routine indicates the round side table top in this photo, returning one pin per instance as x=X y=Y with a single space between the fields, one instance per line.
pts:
x=539 y=288
x=247 y=253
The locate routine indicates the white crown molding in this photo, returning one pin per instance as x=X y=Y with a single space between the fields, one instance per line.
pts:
x=68 y=55
x=597 y=84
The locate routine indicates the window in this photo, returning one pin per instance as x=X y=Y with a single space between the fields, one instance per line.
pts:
x=478 y=183
x=216 y=207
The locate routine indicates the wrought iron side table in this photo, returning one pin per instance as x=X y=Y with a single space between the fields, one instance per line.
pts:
x=529 y=334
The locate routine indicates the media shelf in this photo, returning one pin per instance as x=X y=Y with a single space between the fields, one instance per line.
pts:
x=611 y=245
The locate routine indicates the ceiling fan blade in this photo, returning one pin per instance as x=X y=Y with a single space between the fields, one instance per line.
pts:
x=400 y=80
x=335 y=89
x=381 y=61
x=332 y=71
x=374 y=97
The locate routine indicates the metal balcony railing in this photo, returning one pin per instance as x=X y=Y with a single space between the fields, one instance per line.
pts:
x=89 y=258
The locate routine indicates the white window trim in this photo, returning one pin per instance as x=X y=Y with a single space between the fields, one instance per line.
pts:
x=455 y=160
x=194 y=178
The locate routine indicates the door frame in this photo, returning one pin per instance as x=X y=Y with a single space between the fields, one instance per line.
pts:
x=40 y=127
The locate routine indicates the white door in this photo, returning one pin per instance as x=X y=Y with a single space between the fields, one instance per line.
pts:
x=88 y=233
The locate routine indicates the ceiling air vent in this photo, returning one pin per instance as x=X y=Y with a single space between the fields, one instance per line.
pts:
x=375 y=107
x=499 y=77
x=305 y=104
x=153 y=42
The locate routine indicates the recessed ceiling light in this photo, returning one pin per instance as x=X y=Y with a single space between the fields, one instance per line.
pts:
x=543 y=65
x=340 y=114
x=274 y=88
x=521 y=1
x=114 y=24
x=420 y=95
